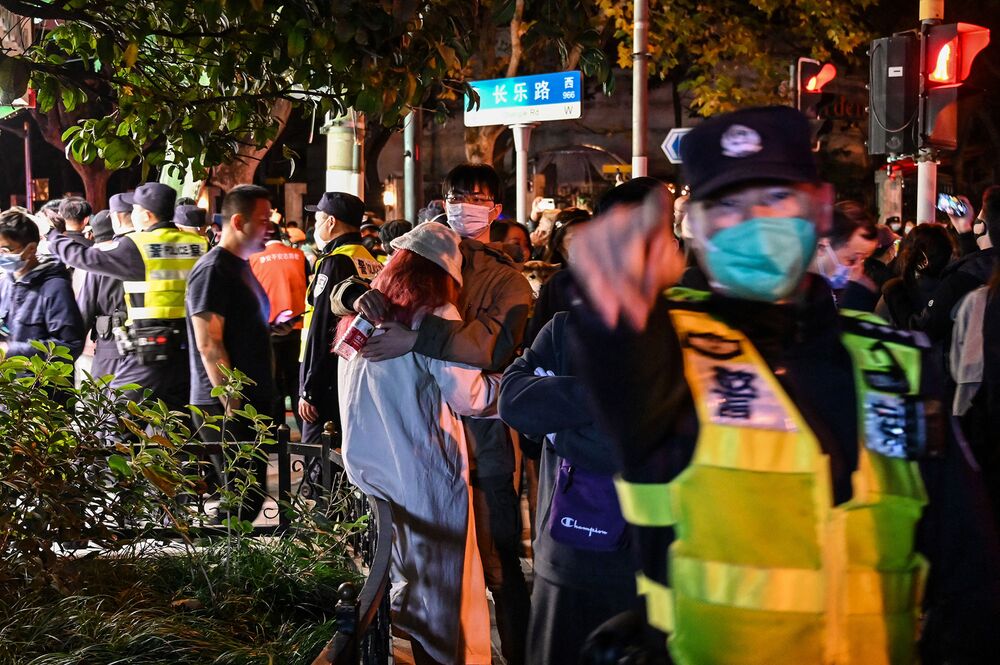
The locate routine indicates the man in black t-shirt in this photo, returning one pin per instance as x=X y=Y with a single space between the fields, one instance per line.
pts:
x=228 y=319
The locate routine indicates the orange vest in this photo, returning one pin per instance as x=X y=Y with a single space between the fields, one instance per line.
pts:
x=281 y=270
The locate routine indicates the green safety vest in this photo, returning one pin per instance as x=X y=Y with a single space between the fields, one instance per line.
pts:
x=366 y=266
x=764 y=568
x=169 y=254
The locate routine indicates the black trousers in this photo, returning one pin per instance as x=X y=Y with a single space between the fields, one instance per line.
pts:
x=497 y=510
x=237 y=429
x=286 y=374
x=563 y=616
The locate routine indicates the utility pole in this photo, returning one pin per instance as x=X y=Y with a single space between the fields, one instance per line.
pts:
x=931 y=13
x=640 y=88
x=412 y=176
x=345 y=141
x=522 y=137
x=28 y=180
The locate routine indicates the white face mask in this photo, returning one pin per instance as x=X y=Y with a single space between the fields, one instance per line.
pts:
x=320 y=241
x=467 y=219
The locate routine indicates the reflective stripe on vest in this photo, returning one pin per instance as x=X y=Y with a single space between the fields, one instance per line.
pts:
x=364 y=264
x=763 y=565
x=169 y=256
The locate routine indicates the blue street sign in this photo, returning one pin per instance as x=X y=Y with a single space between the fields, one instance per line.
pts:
x=524 y=99
x=671 y=145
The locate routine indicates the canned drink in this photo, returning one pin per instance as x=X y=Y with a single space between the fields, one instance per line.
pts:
x=354 y=338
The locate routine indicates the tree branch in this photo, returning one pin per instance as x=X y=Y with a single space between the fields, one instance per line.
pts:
x=515 y=39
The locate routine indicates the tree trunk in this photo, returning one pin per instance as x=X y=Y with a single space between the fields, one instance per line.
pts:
x=480 y=141
x=241 y=170
x=95 y=183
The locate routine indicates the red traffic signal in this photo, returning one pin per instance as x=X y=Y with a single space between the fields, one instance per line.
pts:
x=811 y=76
x=950 y=51
x=948 y=55
x=826 y=74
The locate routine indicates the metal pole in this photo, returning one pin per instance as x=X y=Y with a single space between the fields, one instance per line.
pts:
x=640 y=88
x=926 y=186
x=522 y=137
x=28 y=183
x=412 y=185
x=931 y=12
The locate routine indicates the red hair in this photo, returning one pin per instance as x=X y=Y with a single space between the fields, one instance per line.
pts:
x=412 y=285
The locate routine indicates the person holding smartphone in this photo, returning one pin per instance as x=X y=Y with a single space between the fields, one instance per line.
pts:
x=283 y=272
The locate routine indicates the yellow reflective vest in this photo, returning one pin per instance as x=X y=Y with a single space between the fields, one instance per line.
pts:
x=169 y=254
x=366 y=266
x=764 y=568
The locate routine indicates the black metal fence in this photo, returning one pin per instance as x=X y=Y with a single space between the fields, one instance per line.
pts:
x=363 y=625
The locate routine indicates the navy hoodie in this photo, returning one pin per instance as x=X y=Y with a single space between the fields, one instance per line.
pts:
x=40 y=306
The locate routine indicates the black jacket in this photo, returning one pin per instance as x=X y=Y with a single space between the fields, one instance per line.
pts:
x=538 y=405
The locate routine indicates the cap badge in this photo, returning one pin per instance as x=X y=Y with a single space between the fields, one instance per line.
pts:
x=740 y=141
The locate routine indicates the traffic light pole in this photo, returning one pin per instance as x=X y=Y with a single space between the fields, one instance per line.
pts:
x=640 y=88
x=931 y=13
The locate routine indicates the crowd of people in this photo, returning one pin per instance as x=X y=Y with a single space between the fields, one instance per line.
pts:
x=751 y=425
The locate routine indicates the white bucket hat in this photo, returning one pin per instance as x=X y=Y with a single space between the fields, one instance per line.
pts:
x=434 y=242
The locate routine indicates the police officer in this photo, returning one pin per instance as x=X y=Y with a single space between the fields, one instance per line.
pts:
x=341 y=256
x=102 y=305
x=191 y=218
x=121 y=215
x=777 y=455
x=153 y=263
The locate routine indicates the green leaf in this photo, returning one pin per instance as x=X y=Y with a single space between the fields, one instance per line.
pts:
x=120 y=466
x=296 y=43
x=70 y=132
x=368 y=101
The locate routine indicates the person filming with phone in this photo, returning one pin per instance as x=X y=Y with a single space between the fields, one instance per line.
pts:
x=971 y=271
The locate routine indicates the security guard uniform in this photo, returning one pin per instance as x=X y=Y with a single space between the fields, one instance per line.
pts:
x=831 y=583
x=153 y=266
x=345 y=257
x=770 y=476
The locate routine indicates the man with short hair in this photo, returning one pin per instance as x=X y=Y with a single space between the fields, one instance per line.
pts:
x=36 y=300
x=75 y=212
x=494 y=302
x=782 y=464
x=341 y=256
x=50 y=211
x=153 y=264
x=229 y=325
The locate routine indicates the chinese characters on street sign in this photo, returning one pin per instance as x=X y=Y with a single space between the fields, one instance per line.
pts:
x=525 y=99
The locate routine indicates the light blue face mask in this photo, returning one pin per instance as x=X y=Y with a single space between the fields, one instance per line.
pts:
x=11 y=262
x=762 y=258
x=836 y=274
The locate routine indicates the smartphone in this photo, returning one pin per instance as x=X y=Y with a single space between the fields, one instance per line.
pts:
x=951 y=205
x=285 y=316
x=547 y=204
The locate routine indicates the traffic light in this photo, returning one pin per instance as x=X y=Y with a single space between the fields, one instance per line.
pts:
x=948 y=54
x=894 y=89
x=811 y=76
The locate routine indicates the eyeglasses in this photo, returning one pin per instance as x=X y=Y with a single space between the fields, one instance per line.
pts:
x=476 y=199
